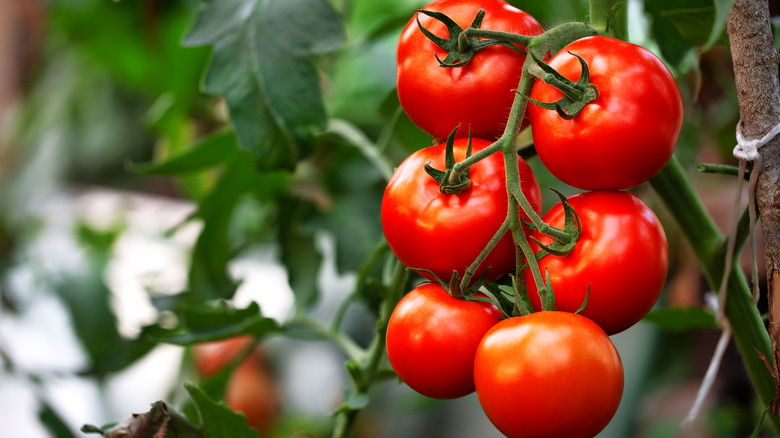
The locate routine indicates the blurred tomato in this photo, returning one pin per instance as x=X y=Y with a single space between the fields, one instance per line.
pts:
x=251 y=388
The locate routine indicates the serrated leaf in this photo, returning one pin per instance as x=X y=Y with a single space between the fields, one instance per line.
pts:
x=218 y=420
x=262 y=65
x=211 y=322
x=207 y=153
x=679 y=319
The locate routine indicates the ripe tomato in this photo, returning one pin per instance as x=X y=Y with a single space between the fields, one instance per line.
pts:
x=622 y=138
x=478 y=95
x=212 y=357
x=548 y=374
x=446 y=232
x=432 y=339
x=622 y=255
x=251 y=388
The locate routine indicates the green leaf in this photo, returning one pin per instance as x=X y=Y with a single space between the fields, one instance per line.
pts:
x=218 y=420
x=87 y=298
x=211 y=322
x=262 y=65
x=674 y=47
x=695 y=25
x=53 y=422
x=679 y=319
x=209 y=277
x=209 y=152
x=722 y=8
x=355 y=190
x=299 y=255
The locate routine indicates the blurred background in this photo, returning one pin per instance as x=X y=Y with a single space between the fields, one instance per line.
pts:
x=90 y=245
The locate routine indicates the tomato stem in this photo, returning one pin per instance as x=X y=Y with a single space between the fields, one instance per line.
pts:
x=472 y=269
x=496 y=35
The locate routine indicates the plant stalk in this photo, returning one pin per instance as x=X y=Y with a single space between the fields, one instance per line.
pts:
x=369 y=367
x=676 y=190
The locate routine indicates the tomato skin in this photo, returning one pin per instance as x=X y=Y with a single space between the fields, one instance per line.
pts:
x=445 y=232
x=548 y=374
x=432 y=339
x=622 y=138
x=211 y=357
x=438 y=99
x=622 y=254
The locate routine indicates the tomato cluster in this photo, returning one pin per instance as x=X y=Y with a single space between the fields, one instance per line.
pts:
x=540 y=367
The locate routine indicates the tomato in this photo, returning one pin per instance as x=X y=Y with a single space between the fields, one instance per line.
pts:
x=212 y=357
x=251 y=388
x=478 y=95
x=548 y=374
x=622 y=138
x=432 y=339
x=622 y=256
x=445 y=232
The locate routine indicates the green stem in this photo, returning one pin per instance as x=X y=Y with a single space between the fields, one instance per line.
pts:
x=506 y=37
x=610 y=17
x=559 y=36
x=461 y=166
x=320 y=332
x=472 y=269
x=750 y=335
x=507 y=145
x=369 y=365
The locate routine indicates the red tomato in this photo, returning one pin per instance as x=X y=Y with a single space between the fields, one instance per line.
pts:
x=252 y=390
x=446 y=232
x=549 y=374
x=478 y=95
x=211 y=357
x=622 y=254
x=432 y=339
x=622 y=138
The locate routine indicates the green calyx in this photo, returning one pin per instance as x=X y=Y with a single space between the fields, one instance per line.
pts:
x=576 y=95
x=451 y=182
x=459 y=46
x=564 y=239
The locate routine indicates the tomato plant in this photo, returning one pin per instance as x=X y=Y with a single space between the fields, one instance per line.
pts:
x=442 y=233
x=622 y=138
x=620 y=260
x=548 y=374
x=432 y=338
x=474 y=96
x=274 y=122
